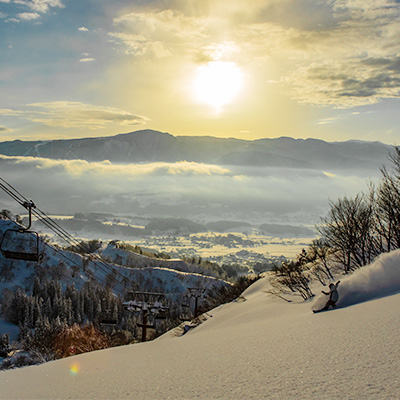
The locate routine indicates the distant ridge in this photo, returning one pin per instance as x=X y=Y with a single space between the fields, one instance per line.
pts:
x=152 y=146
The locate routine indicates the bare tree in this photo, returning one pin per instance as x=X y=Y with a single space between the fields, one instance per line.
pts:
x=387 y=204
x=319 y=254
x=293 y=275
x=349 y=231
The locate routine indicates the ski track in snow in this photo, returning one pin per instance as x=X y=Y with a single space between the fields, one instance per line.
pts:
x=261 y=348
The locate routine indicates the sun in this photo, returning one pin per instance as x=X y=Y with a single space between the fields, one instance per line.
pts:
x=217 y=83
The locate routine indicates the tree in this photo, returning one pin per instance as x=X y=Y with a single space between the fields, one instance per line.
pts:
x=81 y=340
x=88 y=247
x=5 y=214
x=293 y=275
x=388 y=204
x=349 y=231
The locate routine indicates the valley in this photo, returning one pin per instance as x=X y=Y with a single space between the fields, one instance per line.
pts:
x=240 y=243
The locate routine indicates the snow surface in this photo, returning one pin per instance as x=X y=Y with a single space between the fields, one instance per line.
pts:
x=260 y=348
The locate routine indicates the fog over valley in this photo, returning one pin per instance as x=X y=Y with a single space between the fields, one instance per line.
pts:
x=261 y=190
x=184 y=189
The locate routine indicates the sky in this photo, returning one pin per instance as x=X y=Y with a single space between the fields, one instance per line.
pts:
x=328 y=69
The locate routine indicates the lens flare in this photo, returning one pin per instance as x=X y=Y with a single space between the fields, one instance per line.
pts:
x=74 y=369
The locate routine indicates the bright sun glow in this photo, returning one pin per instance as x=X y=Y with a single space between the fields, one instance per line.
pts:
x=217 y=83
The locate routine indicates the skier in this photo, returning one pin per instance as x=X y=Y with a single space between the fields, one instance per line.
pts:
x=333 y=297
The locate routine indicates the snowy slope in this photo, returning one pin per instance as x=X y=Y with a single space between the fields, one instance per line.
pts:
x=258 y=348
x=67 y=267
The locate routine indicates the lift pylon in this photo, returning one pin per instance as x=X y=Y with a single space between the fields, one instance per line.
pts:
x=149 y=305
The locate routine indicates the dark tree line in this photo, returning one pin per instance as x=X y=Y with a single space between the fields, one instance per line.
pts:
x=50 y=305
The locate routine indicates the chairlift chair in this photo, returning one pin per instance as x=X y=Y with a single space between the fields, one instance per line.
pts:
x=185 y=316
x=161 y=312
x=107 y=319
x=131 y=306
x=21 y=243
x=185 y=302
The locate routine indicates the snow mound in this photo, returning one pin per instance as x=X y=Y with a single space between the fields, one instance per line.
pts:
x=378 y=279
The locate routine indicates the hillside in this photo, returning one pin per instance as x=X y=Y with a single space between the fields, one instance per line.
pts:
x=123 y=268
x=151 y=146
x=258 y=348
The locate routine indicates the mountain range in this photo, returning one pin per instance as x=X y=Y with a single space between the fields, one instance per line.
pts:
x=153 y=146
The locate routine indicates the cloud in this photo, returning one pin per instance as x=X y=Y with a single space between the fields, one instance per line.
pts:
x=354 y=62
x=69 y=114
x=350 y=62
x=87 y=60
x=104 y=169
x=28 y=16
x=329 y=120
x=339 y=118
x=5 y=129
x=181 y=188
x=158 y=34
x=36 y=9
x=341 y=53
x=83 y=29
x=11 y=113
x=40 y=6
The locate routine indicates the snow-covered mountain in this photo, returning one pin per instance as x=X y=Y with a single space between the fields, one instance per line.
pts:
x=259 y=348
x=151 y=146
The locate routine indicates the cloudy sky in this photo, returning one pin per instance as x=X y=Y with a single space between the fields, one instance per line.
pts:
x=328 y=69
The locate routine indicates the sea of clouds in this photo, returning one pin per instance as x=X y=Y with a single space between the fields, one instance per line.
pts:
x=69 y=186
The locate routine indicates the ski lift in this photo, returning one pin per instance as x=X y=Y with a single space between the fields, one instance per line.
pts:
x=107 y=319
x=132 y=306
x=159 y=310
x=185 y=313
x=162 y=314
x=148 y=322
x=21 y=243
x=185 y=302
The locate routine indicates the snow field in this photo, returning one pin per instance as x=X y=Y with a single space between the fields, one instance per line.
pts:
x=260 y=348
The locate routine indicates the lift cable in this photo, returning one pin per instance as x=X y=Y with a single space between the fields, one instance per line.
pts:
x=13 y=192
x=23 y=201
x=53 y=225
x=58 y=230
x=45 y=220
x=96 y=259
x=72 y=262
x=73 y=242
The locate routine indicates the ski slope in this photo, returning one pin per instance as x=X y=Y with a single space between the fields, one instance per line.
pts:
x=260 y=348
